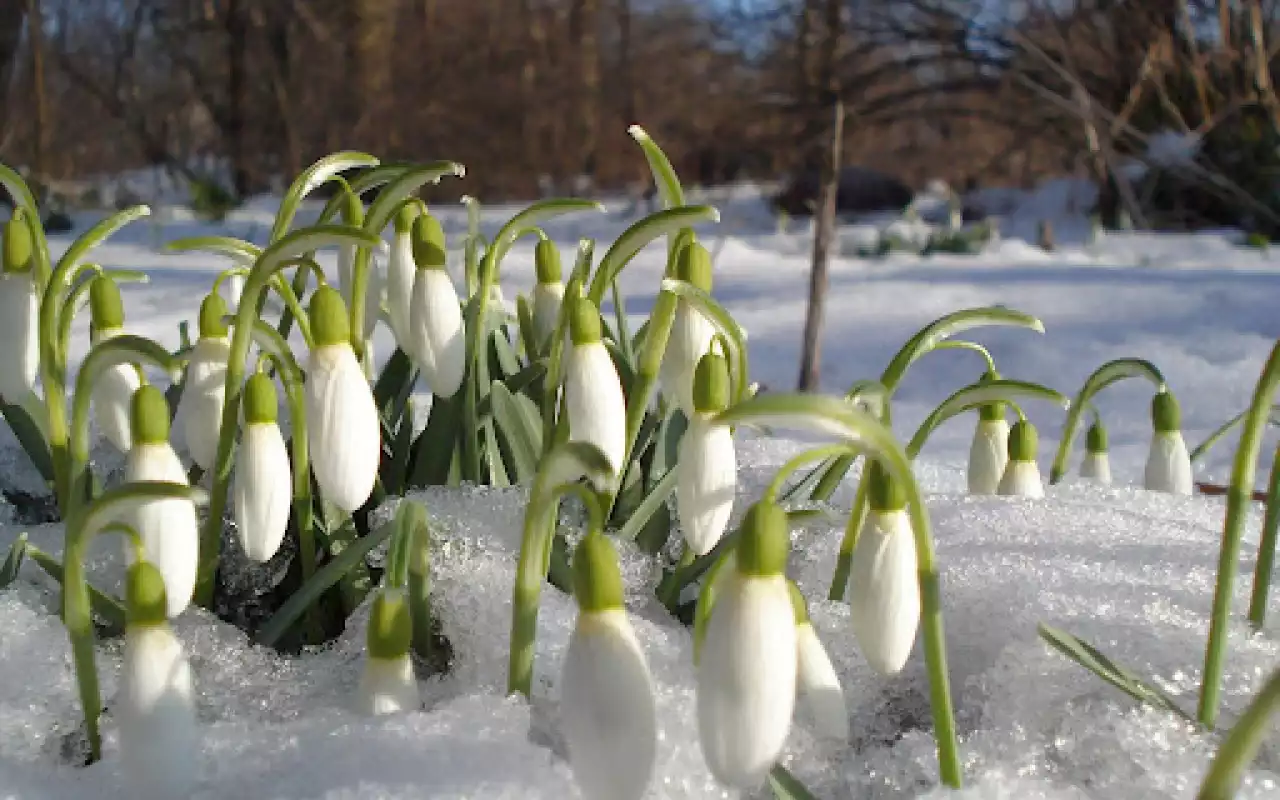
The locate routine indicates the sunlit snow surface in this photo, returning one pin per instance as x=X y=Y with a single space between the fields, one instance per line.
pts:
x=1127 y=570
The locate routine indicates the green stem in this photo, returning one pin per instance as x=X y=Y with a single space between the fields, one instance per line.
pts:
x=1239 y=495
x=669 y=595
x=1222 y=782
x=793 y=465
x=844 y=559
x=53 y=377
x=1266 y=547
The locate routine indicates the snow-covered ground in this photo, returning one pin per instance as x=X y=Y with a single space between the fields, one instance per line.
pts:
x=1130 y=571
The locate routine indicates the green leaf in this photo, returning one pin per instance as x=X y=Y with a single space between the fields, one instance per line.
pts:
x=524 y=315
x=522 y=435
x=19 y=191
x=28 y=433
x=516 y=384
x=724 y=325
x=326 y=577
x=654 y=500
x=786 y=786
x=641 y=233
x=975 y=396
x=620 y=324
x=1105 y=375
x=931 y=335
x=370 y=179
x=237 y=250
x=390 y=384
x=399 y=189
x=534 y=216
x=1225 y=428
x=1089 y=657
x=508 y=362
x=1226 y=771
x=312 y=178
x=664 y=175
x=498 y=475
x=433 y=451
x=103 y=604
x=13 y=563
x=100 y=233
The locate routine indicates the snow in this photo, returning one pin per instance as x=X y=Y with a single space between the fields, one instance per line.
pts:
x=1129 y=571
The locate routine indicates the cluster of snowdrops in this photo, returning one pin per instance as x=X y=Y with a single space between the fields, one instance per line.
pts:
x=593 y=408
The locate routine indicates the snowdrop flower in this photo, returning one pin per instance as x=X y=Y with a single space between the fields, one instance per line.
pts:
x=989 y=452
x=1168 y=464
x=548 y=293
x=708 y=463
x=19 y=313
x=263 y=485
x=387 y=684
x=816 y=677
x=159 y=740
x=203 y=392
x=353 y=214
x=168 y=527
x=607 y=704
x=691 y=332
x=746 y=672
x=342 y=418
x=1021 y=475
x=593 y=393
x=400 y=275
x=111 y=397
x=1096 y=466
x=437 y=339
x=884 y=593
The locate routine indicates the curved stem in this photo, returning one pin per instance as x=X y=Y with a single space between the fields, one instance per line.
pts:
x=1222 y=781
x=226 y=275
x=1239 y=494
x=290 y=298
x=853 y=529
x=792 y=465
x=1266 y=560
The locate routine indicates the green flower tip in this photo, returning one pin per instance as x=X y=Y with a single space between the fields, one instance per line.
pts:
x=765 y=540
x=213 y=309
x=352 y=209
x=711 y=384
x=584 y=322
x=259 y=400
x=405 y=218
x=546 y=262
x=428 y=243
x=693 y=266
x=390 y=626
x=1022 y=441
x=149 y=416
x=884 y=493
x=1166 y=416
x=105 y=307
x=991 y=412
x=144 y=596
x=17 y=243
x=1096 y=439
x=798 y=604
x=597 y=583
x=420 y=550
x=329 y=322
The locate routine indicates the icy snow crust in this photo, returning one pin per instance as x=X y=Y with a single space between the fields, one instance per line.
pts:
x=1127 y=570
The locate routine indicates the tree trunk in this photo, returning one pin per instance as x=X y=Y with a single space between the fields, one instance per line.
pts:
x=35 y=32
x=823 y=233
x=584 y=29
x=237 y=33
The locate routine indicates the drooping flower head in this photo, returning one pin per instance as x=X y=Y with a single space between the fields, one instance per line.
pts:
x=691 y=332
x=263 y=479
x=1168 y=463
x=438 y=342
x=204 y=391
x=387 y=684
x=112 y=394
x=19 y=312
x=1021 y=474
x=708 y=465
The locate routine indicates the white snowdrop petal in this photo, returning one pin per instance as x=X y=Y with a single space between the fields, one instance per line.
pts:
x=262 y=491
x=1168 y=464
x=1096 y=467
x=747 y=679
x=1021 y=479
x=400 y=275
x=387 y=686
x=111 y=398
x=820 y=685
x=707 y=483
x=159 y=739
x=884 y=594
x=342 y=427
x=439 y=340
x=988 y=456
x=169 y=528
x=547 y=298
x=200 y=407
x=374 y=289
x=19 y=336
x=690 y=339
x=608 y=709
x=595 y=403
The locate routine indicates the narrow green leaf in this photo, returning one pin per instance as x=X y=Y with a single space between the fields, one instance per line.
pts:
x=390 y=384
x=13 y=562
x=534 y=216
x=325 y=578
x=655 y=499
x=100 y=233
x=401 y=187
x=104 y=605
x=528 y=338
x=641 y=233
x=508 y=362
x=366 y=181
x=312 y=178
x=620 y=324
x=975 y=396
x=1089 y=657
x=935 y=332
x=1226 y=771
x=724 y=324
x=1105 y=375
x=18 y=191
x=434 y=448
x=1225 y=428
x=786 y=786
x=28 y=433
x=237 y=250
x=664 y=175
x=498 y=475
x=524 y=441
